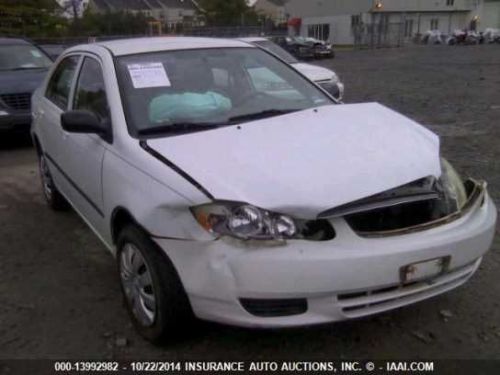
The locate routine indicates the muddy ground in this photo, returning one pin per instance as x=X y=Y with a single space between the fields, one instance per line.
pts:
x=59 y=294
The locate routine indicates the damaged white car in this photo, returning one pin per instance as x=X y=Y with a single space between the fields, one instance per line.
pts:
x=250 y=202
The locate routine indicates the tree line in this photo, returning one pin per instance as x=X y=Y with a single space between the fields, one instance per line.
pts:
x=44 y=18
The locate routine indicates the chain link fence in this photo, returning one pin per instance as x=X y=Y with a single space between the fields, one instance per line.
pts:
x=379 y=35
x=233 y=31
x=54 y=46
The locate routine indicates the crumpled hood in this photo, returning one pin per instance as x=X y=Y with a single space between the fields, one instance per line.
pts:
x=315 y=73
x=21 y=81
x=306 y=162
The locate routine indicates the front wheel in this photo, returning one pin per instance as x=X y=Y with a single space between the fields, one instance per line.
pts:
x=153 y=292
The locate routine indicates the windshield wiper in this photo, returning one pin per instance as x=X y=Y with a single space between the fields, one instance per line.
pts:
x=262 y=114
x=178 y=128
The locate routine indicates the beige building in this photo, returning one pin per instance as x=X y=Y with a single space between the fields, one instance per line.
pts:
x=338 y=20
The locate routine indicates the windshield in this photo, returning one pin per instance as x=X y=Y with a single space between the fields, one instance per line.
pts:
x=22 y=56
x=277 y=50
x=300 y=39
x=174 y=92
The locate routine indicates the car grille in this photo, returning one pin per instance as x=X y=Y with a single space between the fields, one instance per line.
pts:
x=274 y=307
x=17 y=101
x=368 y=302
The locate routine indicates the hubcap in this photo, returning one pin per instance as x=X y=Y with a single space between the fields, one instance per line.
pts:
x=46 y=178
x=137 y=284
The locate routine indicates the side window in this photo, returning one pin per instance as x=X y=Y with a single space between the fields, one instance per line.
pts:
x=90 y=93
x=60 y=83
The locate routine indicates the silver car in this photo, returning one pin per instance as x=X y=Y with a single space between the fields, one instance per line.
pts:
x=326 y=78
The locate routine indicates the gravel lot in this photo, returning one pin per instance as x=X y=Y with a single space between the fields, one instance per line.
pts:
x=59 y=290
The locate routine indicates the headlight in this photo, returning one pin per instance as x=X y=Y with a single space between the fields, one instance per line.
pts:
x=452 y=185
x=244 y=221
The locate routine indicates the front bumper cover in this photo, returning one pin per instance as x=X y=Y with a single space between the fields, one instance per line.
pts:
x=216 y=274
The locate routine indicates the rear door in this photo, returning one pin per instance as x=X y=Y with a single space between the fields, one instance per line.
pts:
x=47 y=116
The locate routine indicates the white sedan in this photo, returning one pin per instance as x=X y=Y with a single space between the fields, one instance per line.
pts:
x=324 y=77
x=253 y=203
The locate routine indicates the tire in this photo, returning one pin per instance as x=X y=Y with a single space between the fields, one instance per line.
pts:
x=53 y=197
x=157 y=304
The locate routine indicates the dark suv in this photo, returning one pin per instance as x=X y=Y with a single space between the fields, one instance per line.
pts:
x=22 y=69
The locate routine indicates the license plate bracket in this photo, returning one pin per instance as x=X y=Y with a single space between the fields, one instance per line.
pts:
x=425 y=269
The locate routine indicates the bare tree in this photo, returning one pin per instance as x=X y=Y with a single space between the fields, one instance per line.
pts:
x=72 y=6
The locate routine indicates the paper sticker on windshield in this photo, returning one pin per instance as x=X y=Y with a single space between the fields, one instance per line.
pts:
x=36 y=53
x=148 y=75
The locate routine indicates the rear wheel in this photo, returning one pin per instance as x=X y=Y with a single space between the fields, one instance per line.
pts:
x=154 y=295
x=53 y=197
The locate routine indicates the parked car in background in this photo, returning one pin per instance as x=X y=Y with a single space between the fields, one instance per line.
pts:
x=433 y=37
x=22 y=68
x=321 y=48
x=297 y=47
x=53 y=50
x=324 y=77
x=464 y=37
x=250 y=202
x=491 y=35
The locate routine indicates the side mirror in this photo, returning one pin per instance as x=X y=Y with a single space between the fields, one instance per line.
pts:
x=81 y=121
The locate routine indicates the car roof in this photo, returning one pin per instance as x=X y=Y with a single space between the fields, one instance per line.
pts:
x=156 y=44
x=10 y=41
x=253 y=39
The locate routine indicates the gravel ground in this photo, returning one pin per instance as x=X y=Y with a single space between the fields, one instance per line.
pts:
x=59 y=290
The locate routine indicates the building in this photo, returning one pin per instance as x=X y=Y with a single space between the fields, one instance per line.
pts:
x=340 y=21
x=274 y=9
x=168 y=13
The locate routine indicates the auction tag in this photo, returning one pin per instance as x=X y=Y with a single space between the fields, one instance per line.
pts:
x=148 y=75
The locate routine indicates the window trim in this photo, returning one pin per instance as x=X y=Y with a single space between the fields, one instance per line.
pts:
x=71 y=102
x=73 y=80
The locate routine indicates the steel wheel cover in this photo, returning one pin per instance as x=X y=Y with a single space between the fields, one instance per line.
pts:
x=137 y=284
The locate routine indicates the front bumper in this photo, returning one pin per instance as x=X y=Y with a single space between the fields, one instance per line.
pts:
x=323 y=52
x=14 y=121
x=346 y=277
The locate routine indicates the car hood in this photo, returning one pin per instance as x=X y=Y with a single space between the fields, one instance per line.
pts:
x=21 y=81
x=315 y=73
x=306 y=162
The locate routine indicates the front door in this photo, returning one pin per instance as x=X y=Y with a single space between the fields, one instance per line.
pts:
x=85 y=153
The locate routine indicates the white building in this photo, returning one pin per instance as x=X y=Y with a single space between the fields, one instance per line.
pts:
x=338 y=20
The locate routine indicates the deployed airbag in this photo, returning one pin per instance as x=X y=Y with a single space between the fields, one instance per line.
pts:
x=187 y=106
